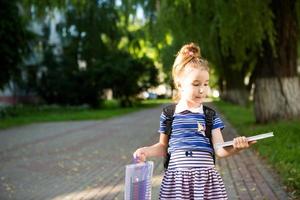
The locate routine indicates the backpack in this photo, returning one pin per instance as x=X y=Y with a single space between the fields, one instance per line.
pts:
x=209 y=117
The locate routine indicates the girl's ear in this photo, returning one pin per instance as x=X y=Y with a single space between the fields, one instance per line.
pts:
x=179 y=86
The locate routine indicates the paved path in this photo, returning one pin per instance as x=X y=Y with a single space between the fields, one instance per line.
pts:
x=86 y=160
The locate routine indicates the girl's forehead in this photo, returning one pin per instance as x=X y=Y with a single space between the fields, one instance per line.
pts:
x=193 y=73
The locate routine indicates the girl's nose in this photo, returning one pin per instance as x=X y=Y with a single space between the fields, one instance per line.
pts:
x=201 y=90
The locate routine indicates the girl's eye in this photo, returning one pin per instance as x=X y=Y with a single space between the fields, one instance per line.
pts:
x=198 y=84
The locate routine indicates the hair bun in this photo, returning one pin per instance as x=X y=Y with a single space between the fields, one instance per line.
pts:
x=190 y=50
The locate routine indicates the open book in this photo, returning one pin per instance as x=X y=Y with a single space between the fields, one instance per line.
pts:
x=252 y=138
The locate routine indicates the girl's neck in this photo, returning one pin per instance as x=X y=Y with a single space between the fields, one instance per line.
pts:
x=189 y=104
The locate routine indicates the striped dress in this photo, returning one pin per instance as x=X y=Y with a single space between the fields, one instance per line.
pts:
x=191 y=173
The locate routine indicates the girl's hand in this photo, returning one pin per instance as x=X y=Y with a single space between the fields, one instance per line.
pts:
x=140 y=154
x=240 y=143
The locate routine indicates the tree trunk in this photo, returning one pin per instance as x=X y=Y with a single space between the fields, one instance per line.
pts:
x=276 y=98
x=233 y=87
x=236 y=96
x=277 y=86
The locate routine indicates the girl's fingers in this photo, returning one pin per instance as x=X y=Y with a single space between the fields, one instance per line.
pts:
x=136 y=155
x=245 y=142
x=236 y=143
x=143 y=158
x=139 y=156
x=241 y=142
x=252 y=142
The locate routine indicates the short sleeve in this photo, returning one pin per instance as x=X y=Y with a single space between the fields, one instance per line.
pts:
x=218 y=123
x=163 y=123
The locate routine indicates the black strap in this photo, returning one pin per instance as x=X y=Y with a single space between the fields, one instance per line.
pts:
x=209 y=117
x=209 y=121
x=169 y=112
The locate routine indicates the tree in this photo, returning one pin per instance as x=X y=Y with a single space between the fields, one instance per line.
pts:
x=277 y=86
x=256 y=39
x=222 y=37
x=85 y=32
x=128 y=76
x=90 y=33
x=13 y=39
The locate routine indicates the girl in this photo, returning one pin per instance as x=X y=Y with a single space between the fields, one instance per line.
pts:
x=191 y=173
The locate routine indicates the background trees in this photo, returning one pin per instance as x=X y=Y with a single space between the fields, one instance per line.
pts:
x=85 y=56
x=14 y=39
x=254 y=41
x=252 y=47
x=277 y=86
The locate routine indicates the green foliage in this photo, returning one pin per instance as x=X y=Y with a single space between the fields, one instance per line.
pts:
x=231 y=42
x=71 y=88
x=237 y=40
x=64 y=82
x=282 y=151
x=13 y=39
x=90 y=34
x=212 y=22
x=128 y=77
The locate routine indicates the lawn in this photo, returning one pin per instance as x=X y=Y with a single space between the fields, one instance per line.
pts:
x=21 y=115
x=282 y=151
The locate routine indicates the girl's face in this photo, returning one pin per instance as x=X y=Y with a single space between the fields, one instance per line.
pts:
x=193 y=85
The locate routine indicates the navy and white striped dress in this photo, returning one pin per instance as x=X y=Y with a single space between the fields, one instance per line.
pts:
x=191 y=173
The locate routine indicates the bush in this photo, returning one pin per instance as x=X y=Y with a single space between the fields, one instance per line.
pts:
x=62 y=82
x=128 y=77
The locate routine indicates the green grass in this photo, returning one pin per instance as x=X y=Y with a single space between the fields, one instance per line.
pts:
x=21 y=115
x=282 y=151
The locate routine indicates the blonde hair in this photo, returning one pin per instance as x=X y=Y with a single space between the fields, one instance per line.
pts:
x=188 y=56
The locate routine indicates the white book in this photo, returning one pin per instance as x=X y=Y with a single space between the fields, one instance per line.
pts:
x=252 y=138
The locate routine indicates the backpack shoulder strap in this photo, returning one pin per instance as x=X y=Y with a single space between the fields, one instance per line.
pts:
x=169 y=112
x=209 y=120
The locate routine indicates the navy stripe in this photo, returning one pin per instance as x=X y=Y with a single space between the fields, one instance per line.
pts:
x=186 y=134
x=192 y=143
x=182 y=126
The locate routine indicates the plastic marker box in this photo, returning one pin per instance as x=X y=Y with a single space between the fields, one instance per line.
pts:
x=138 y=179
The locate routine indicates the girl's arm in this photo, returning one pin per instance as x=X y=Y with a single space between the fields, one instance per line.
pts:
x=239 y=143
x=158 y=149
